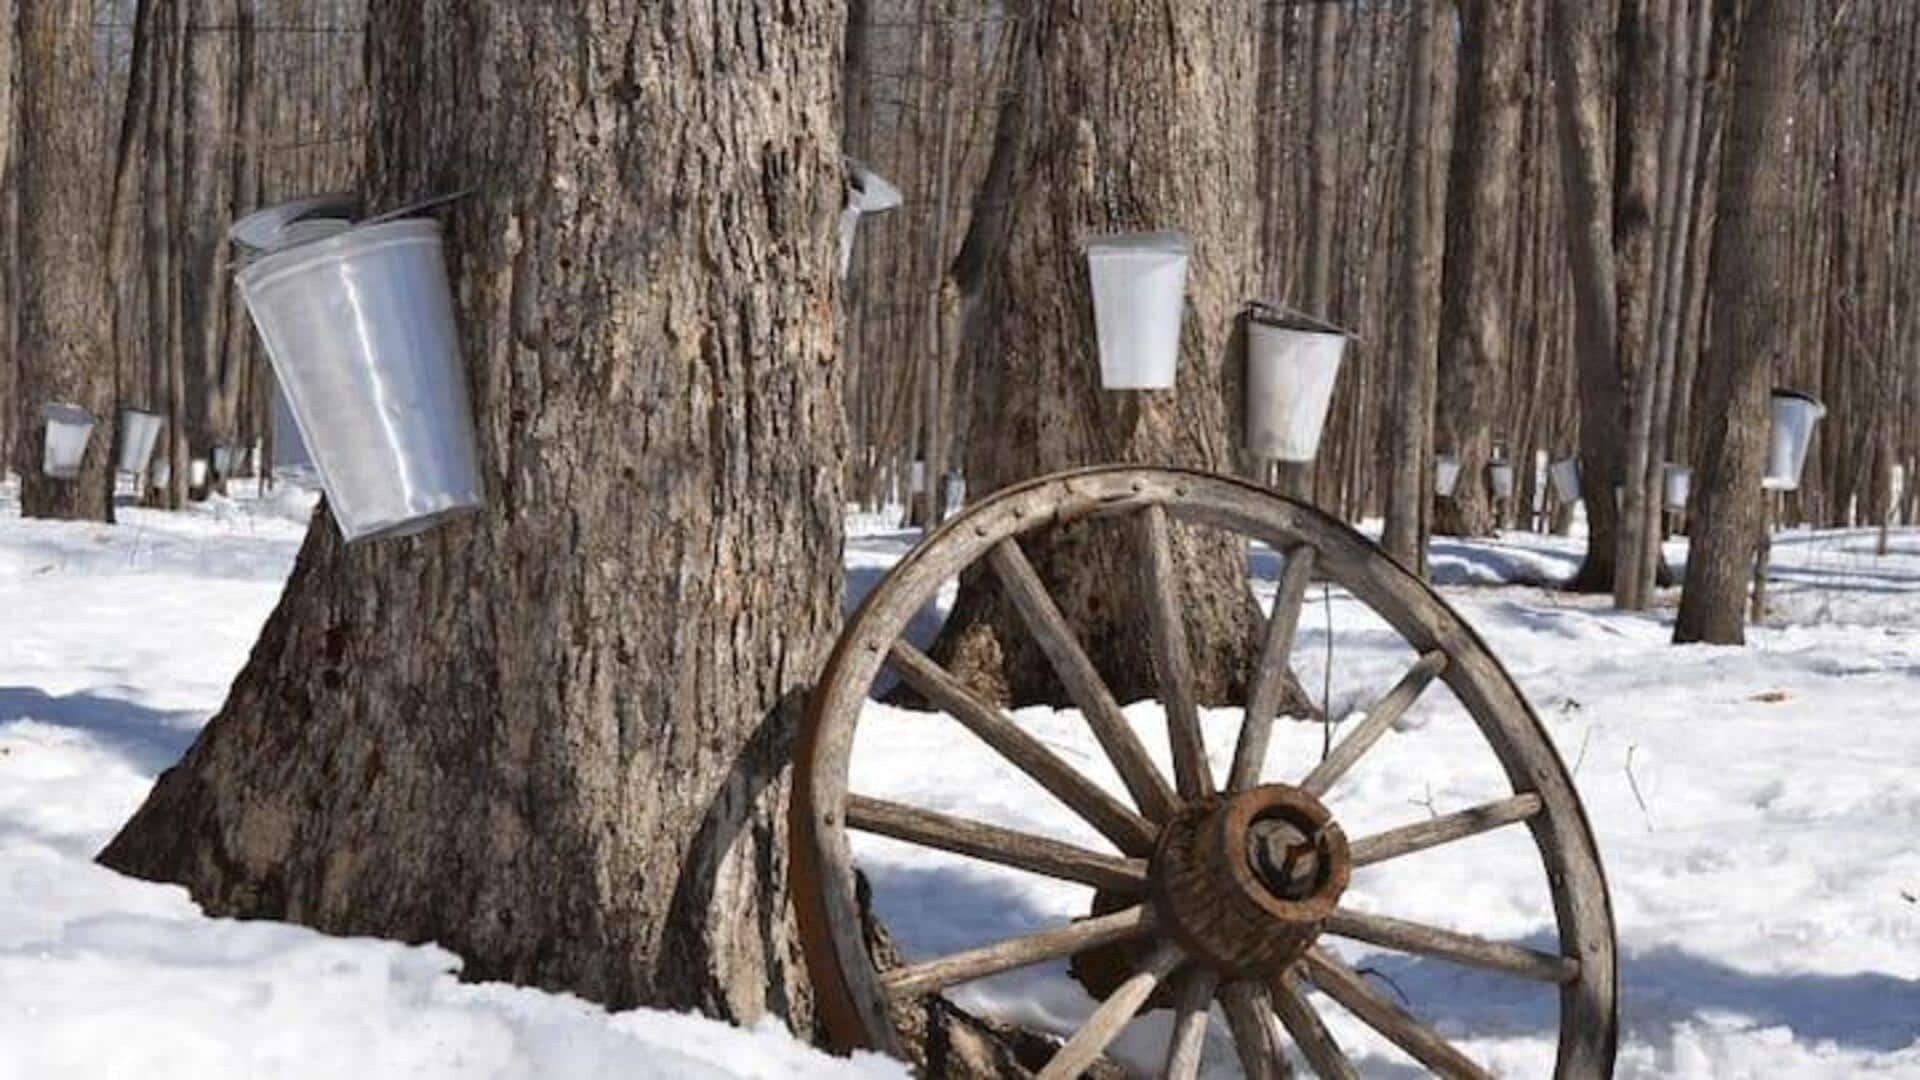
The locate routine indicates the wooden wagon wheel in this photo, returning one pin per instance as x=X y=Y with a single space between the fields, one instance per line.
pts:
x=1216 y=894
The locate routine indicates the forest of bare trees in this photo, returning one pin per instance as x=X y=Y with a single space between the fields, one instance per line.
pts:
x=1557 y=230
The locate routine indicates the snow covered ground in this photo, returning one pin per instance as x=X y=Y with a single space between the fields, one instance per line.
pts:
x=1758 y=810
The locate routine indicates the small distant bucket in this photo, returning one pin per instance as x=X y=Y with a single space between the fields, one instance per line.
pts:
x=917 y=477
x=226 y=460
x=1292 y=363
x=1794 y=414
x=1677 y=482
x=197 y=472
x=161 y=474
x=1500 y=478
x=1565 y=475
x=1446 y=474
x=956 y=489
x=68 y=429
x=1139 y=297
x=139 y=433
x=360 y=330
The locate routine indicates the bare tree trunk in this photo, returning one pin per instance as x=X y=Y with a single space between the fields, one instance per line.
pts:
x=1477 y=286
x=1750 y=305
x=553 y=737
x=1409 y=479
x=1124 y=130
x=62 y=347
x=1575 y=37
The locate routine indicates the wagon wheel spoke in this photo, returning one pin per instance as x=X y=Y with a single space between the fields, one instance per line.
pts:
x=1308 y=1032
x=1392 y=706
x=1410 y=937
x=992 y=843
x=1172 y=657
x=912 y=980
x=1255 y=1037
x=1100 y=1029
x=1378 y=1012
x=1270 y=673
x=1445 y=829
x=1192 y=1005
x=1115 y=820
x=1023 y=587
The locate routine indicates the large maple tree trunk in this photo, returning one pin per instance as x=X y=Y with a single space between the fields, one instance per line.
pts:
x=1749 y=293
x=1477 y=287
x=62 y=344
x=1139 y=116
x=553 y=736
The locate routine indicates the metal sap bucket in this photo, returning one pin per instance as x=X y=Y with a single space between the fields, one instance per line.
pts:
x=359 y=328
x=139 y=434
x=1794 y=414
x=1446 y=474
x=226 y=460
x=917 y=477
x=867 y=193
x=1292 y=363
x=161 y=474
x=197 y=472
x=1677 y=484
x=69 y=427
x=1139 y=297
x=1565 y=475
x=1500 y=478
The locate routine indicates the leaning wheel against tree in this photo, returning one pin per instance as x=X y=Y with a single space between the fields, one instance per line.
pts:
x=1222 y=892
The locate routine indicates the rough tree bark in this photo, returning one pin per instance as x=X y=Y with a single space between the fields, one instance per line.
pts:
x=1409 y=475
x=1477 y=282
x=1750 y=299
x=205 y=106
x=1575 y=36
x=552 y=736
x=1138 y=116
x=63 y=346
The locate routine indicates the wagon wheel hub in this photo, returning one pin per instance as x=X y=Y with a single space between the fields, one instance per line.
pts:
x=1246 y=881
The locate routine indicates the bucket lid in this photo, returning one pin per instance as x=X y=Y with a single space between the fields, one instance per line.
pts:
x=268 y=229
x=60 y=412
x=1286 y=318
x=1165 y=242
x=867 y=191
x=1819 y=408
x=128 y=410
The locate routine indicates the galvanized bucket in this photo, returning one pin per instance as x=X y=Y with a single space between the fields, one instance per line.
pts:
x=1794 y=414
x=867 y=193
x=226 y=460
x=359 y=328
x=68 y=429
x=1446 y=474
x=1139 y=297
x=1565 y=475
x=1292 y=363
x=139 y=433
x=197 y=472
x=1500 y=478
x=1677 y=484
x=161 y=474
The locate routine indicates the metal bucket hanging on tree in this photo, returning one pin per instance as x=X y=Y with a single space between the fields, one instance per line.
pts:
x=359 y=328
x=1677 y=484
x=1794 y=415
x=69 y=427
x=226 y=461
x=1446 y=475
x=1139 y=297
x=867 y=193
x=139 y=434
x=1292 y=363
x=1565 y=476
x=1500 y=478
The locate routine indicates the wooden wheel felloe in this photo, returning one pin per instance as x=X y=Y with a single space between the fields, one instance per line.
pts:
x=1210 y=893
